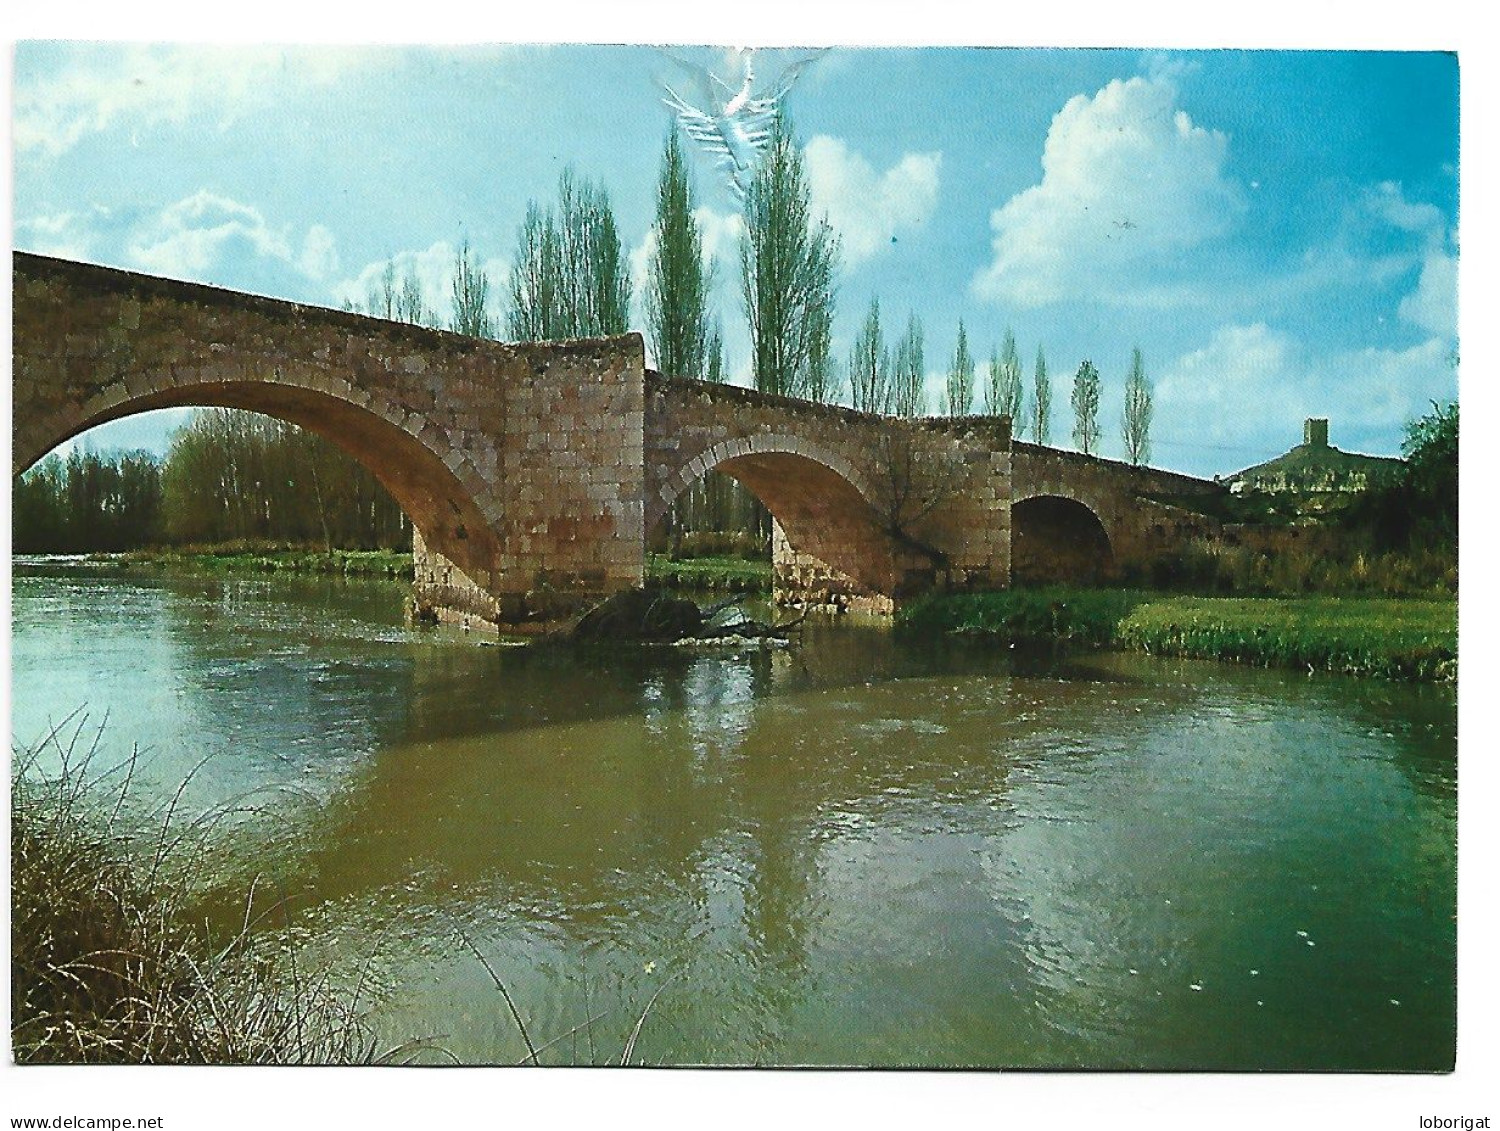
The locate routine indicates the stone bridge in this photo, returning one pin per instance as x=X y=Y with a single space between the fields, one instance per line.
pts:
x=533 y=473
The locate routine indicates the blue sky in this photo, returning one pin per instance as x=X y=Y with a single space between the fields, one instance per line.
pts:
x=1277 y=231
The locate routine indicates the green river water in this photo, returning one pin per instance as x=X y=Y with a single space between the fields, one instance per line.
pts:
x=867 y=850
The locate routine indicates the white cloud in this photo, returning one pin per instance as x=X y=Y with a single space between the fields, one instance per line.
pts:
x=214 y=239
x=1252 y=384
x=869 y=209
x=71 y=235
x=145 y=85
x=320 y=256
x=1434 y=304
x=1386 y=201
x=1129 y=184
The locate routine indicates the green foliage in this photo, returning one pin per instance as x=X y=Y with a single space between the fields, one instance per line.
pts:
x=1004 y=393
x=1086 y=616
x=869 y=365
x=1041 y=402
x=787 y=263
x=1086 y=408
x=235 y=475
x=1396 y=639
x=1431 y=451
x=908 y=372
x=959 y=391
x=730 y=575
x=677 y=283
x=1136 y=422
x=88 y=502
x=570 y=278
x=1362 y=636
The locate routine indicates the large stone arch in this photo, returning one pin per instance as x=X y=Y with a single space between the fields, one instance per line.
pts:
x=1058 y=536
x=821 y=503
x=440 y=498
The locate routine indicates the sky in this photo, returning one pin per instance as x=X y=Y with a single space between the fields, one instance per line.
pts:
x=1276 y=231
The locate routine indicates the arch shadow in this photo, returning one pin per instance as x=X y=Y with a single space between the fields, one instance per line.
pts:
x=820 y=501
x=1058 y=540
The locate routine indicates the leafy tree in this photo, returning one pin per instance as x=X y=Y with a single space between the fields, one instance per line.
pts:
x=1431 y=475
x=1041 y=405
x=1086 y=408
x=787 y=263
x=677 y=284
x=959 y=392
x=869 y=366
x=908 y=371
x=471 y=297
x=1137 y=418
x=570 y=279
x=233 y=475
x=1004 y=392
x=822 y=381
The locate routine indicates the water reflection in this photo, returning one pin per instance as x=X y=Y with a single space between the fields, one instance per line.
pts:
x=864 y=850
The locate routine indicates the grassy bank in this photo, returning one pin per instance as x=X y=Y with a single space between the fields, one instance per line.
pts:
x=1393 y=638
x=272 y=558
x=721 y=574
x=727 y=575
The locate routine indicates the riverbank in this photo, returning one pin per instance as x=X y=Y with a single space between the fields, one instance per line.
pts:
x=722 y=575
x=714 y=574
x=1412 y=639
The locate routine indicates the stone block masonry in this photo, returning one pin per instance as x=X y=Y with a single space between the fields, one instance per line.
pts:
x=533 y=473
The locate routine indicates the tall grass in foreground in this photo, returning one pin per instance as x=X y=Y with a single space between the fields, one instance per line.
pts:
x=112 y=964
x=107 y=966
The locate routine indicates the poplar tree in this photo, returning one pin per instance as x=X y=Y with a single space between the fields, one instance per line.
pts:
x=959 y=391
x=1041 y=407
x=570 y=279
x=787 y=262
x=1086 y=408
x=1136 y=423
x=908 y=371
x=677 y=284
x=869 y=366
x=471 y=297
x=1005 y=392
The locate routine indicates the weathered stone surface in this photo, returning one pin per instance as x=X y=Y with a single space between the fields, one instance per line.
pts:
x=533 y=473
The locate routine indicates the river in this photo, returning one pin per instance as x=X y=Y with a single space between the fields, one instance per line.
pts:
x=867 y=850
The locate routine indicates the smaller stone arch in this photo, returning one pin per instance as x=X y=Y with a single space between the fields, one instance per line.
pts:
x=1056 y=538
x=716 y=455
x=829 y=529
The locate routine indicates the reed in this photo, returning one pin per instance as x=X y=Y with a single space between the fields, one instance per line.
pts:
x=108 y=965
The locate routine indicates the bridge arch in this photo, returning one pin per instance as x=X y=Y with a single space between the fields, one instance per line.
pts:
x=1058 y=537
x=442 y=497
x=821 y=501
